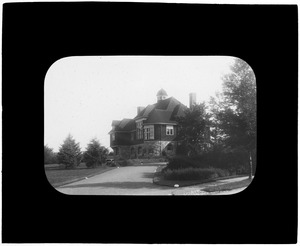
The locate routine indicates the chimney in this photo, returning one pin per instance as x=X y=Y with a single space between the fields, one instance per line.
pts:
x=192 y=99
x=140 y=109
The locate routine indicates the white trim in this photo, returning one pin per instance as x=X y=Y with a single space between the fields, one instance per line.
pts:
x=160 y=123
x=139 y=120
x=169 y=127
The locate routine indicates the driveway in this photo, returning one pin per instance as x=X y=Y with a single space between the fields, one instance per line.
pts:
x=131 y=180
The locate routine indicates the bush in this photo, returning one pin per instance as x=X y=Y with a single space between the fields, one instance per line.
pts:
x=193 y=173
x=234 y=161
x=49 y=156
x=122 y=162
x=179 y=162
x=222 y=172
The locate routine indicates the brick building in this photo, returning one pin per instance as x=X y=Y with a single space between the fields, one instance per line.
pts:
x=152 y=132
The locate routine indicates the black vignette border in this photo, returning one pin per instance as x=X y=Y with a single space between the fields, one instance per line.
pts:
x=37 y=34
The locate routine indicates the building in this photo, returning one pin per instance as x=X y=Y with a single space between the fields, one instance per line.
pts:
x=152 y=133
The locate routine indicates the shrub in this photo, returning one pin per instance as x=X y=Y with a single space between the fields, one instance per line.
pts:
x=49 y=156
x=218 y=159
x=179 y=162
x=242 y=170
x=235 y=162
x=222 y=172
x=122 y=162
x=193 y=173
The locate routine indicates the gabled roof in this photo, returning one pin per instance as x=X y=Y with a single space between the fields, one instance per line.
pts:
x=123 y=125
x=164 y=111
x=159 y=116
x=115 y=122
x=145 y=112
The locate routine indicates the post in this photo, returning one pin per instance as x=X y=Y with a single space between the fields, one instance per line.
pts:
x=250 y=163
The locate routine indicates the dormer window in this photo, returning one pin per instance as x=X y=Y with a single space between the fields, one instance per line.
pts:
x=170 y=130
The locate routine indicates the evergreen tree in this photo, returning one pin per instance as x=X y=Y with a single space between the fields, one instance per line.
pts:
x=69 y=153
x=95 y=154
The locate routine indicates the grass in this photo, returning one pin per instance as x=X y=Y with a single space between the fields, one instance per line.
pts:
x=58 y=176
x=229 y=186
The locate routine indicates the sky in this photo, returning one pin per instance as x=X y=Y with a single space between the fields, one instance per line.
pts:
x=84 y=94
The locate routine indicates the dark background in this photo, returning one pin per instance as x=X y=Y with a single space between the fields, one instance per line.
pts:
x=35 y=35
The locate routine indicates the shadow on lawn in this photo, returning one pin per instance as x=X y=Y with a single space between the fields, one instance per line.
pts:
x=119 y=185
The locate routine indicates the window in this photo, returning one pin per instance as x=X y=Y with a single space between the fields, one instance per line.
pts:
x=149 y=132
x=170 y=130
x=113 y=137
x=139 y=130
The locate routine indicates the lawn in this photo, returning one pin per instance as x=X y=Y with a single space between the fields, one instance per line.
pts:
x=58 y=176
x=229 y=186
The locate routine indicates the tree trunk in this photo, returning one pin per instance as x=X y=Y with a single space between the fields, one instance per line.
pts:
x=250 y=165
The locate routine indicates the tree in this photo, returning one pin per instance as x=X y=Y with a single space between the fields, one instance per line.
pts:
x=95 y=154
x=236 y=112
x=49 y=155
x=193 y=129
x=69 y=153
x=216 y=133
x=240 y=92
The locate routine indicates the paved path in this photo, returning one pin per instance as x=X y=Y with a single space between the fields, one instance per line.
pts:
x=131 y=180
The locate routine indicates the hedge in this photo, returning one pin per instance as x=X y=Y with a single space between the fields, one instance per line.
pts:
x=233 y=162
x=194 y=173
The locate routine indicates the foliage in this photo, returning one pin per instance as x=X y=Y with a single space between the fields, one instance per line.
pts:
x=194 y=173
x=49 y=156
x=192 y=131
x=95 y=154
x=69 y=153
x=234 y=161
x=180 y=162
x=237 y=118
x=122 y=162
x=234 y=113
